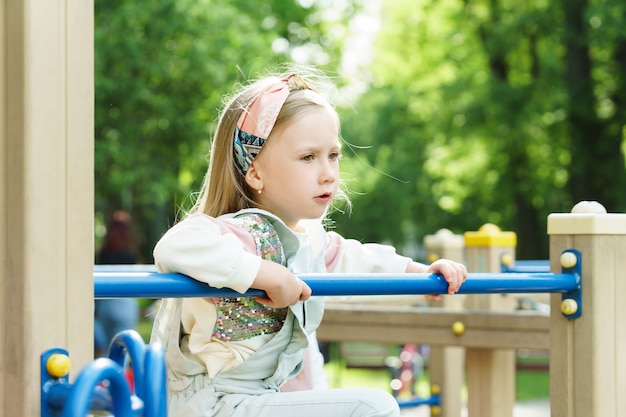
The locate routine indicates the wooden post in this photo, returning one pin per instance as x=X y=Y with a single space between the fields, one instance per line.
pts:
x=46 y=192
x=587 y=361
x=490 y=373
x=445 y=244
x=446 y=363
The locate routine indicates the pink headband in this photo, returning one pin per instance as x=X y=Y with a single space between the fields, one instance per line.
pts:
x=257 y=121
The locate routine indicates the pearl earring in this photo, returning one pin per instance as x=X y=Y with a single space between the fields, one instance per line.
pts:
x=260 y=190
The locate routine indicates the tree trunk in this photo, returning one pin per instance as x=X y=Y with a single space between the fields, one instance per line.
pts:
x=597 y=169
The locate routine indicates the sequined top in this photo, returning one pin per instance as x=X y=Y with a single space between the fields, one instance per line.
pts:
x=240 y=318
x=223 y=253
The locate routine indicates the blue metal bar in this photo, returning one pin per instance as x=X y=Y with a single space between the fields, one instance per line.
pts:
x=129 y=341
x=55 y=391
x=155 y=375
x=56 y=400
x=527 y=266
x=125 y=268
x=85 y=396
x=158 y=285
x=516 y=269
x=79 y=396
x=434 y=399
x=545 y=263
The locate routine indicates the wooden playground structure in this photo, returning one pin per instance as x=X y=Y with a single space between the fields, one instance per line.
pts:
x=47 y=296
x=489 y=332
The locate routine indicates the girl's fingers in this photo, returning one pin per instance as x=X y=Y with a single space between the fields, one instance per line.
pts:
x=454 y=273
x=306 y=292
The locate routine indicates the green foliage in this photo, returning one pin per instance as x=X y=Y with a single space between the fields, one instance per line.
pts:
x=485 y=111
x=471 y=110
x=162 y=68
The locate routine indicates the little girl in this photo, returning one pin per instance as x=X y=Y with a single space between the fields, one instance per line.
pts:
x=274 y=171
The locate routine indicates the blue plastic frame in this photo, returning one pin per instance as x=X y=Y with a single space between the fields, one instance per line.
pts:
x=59 y=398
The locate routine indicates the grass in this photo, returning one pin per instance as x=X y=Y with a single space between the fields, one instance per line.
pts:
x=530 y=385
x=532 y=381
x=340 y=376
x=533 y=376
x=144 y=328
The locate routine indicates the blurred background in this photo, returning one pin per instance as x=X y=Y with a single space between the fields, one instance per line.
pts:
x=457 y=112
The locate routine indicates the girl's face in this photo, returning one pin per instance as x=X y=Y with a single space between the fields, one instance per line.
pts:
x=299 y=167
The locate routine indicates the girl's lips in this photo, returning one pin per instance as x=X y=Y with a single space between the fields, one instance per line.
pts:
x=324 y=198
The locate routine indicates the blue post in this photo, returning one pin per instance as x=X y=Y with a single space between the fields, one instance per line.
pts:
x=52 y=399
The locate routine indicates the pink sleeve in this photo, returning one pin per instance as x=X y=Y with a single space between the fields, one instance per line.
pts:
x=333 y=251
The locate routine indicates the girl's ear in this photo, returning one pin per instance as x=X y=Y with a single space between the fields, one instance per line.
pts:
x=253 y=177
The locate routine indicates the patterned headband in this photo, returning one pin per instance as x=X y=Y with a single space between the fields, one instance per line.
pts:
x=257 y=121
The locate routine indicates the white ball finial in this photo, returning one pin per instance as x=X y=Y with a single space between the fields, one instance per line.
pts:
x=588 y=207
x=569 y=307
x=568 y=260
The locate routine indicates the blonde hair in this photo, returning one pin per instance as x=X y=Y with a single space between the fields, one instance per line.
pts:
x=224 y=189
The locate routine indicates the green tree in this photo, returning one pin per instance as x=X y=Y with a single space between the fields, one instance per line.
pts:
x=595 y=57
x=162 y=67
x=482 y=112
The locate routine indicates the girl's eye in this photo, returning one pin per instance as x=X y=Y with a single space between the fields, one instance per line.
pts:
x=334 y=156
x=307 y=157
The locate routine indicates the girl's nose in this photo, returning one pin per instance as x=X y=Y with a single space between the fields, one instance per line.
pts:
x=329 y=172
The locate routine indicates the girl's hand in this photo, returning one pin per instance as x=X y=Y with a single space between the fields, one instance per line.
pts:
x=454 y=273
x=283 y=288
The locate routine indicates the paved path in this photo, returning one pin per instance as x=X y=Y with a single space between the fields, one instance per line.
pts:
x=538 y=408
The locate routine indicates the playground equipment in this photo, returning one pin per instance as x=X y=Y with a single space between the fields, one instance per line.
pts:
x=130 y=382
x=586 y=365
x=160 y=285
x=509 y=265
x=112 y=284
x=50 y=70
